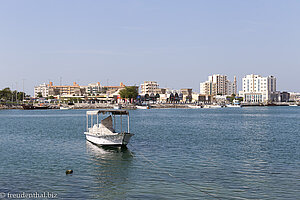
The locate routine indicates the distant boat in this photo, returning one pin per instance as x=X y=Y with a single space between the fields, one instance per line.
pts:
x=118 y=107
x=64 y=108
x=104 y=133
x=215 y=106
x=32 y=107
x=194 y=106
x=293 y=105
x=142 y=107
x=233 y=106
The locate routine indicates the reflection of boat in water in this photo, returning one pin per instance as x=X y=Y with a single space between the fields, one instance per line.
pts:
x=105 y=132
x=110 y=169
x=106 y=151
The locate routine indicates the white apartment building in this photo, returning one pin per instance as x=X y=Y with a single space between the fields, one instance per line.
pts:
x=258 y=89
x=43 y=89
x=208 y=88
x=218 y=85
x=149 y=87
x=93 y=88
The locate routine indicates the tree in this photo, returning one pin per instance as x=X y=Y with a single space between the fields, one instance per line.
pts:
x=39 y=95
x=6 y=94
x=130 y=92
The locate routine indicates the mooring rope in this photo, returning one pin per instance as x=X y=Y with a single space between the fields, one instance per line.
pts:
x=177 y=178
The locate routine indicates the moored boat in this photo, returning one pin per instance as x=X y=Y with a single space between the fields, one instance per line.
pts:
x=195 y=106
x=32 y=107
x=293 y=105
x=104 y=133
x=233 y=106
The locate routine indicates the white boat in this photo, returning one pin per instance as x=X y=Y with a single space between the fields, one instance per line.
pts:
x=118 y=107
x=104 y=133
x=194 y=106
x=215 y=106
x=64 y=108
x=293 y=105
x=233 y=106
x=142 y=107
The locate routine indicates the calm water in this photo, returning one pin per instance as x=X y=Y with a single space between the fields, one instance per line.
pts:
x=229 y=153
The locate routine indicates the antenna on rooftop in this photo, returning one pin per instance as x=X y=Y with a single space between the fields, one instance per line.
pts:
x=60 y=80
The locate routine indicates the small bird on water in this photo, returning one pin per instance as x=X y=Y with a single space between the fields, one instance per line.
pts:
x=69 y=171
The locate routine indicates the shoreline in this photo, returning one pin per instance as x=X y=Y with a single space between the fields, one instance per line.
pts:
x=133 y=106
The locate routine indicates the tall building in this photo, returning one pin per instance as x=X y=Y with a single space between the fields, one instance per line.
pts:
x=208 y=88
x=218 y=85
x=257 y=89
x=149 y=87
x=42 y=89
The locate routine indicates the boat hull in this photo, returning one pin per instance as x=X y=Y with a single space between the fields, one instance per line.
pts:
x=121 y=139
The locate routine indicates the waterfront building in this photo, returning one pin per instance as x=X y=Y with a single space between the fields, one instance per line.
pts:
x=218 y=85
x=94 y=88
x=284 y=97
x=205 y=99
x=149 y=87
x=42 y=89
x=115 y=88
x=258 y=89
x=294 y=96
x=186 y=94
x=208 y=88
x=66 y=90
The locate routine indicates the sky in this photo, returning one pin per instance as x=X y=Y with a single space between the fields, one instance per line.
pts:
x=176 y=43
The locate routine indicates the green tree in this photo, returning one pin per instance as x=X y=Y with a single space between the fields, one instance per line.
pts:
x=6 y=94
x=130 y=92
x=39 y=95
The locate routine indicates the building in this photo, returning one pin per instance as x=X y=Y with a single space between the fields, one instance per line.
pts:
x=294 y=96
x=42 y=89
x=208 y=88
x=94 y=88
x=284 y=97
x=258 y=89
x=218 y=85
x=186 y=95
x=149 y=87
x=66 y=90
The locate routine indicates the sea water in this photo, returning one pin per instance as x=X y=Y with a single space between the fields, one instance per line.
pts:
x=226 y=153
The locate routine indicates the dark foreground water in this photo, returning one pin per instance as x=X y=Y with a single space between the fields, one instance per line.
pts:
x=229 y=153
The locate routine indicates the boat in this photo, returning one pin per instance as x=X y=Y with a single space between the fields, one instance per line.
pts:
x=195 y=106
x=32 y=107
x=104 y=133
x=293 y=105
x=118 y=107
x=142 y=107
x=64 y=108
x=215 y=106
x=233 y=106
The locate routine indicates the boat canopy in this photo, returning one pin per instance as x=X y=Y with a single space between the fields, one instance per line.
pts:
x=114 y=112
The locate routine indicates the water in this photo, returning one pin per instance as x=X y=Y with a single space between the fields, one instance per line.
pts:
x=230 y=153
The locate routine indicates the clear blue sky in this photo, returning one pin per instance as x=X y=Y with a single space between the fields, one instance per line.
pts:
x=177 y=43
